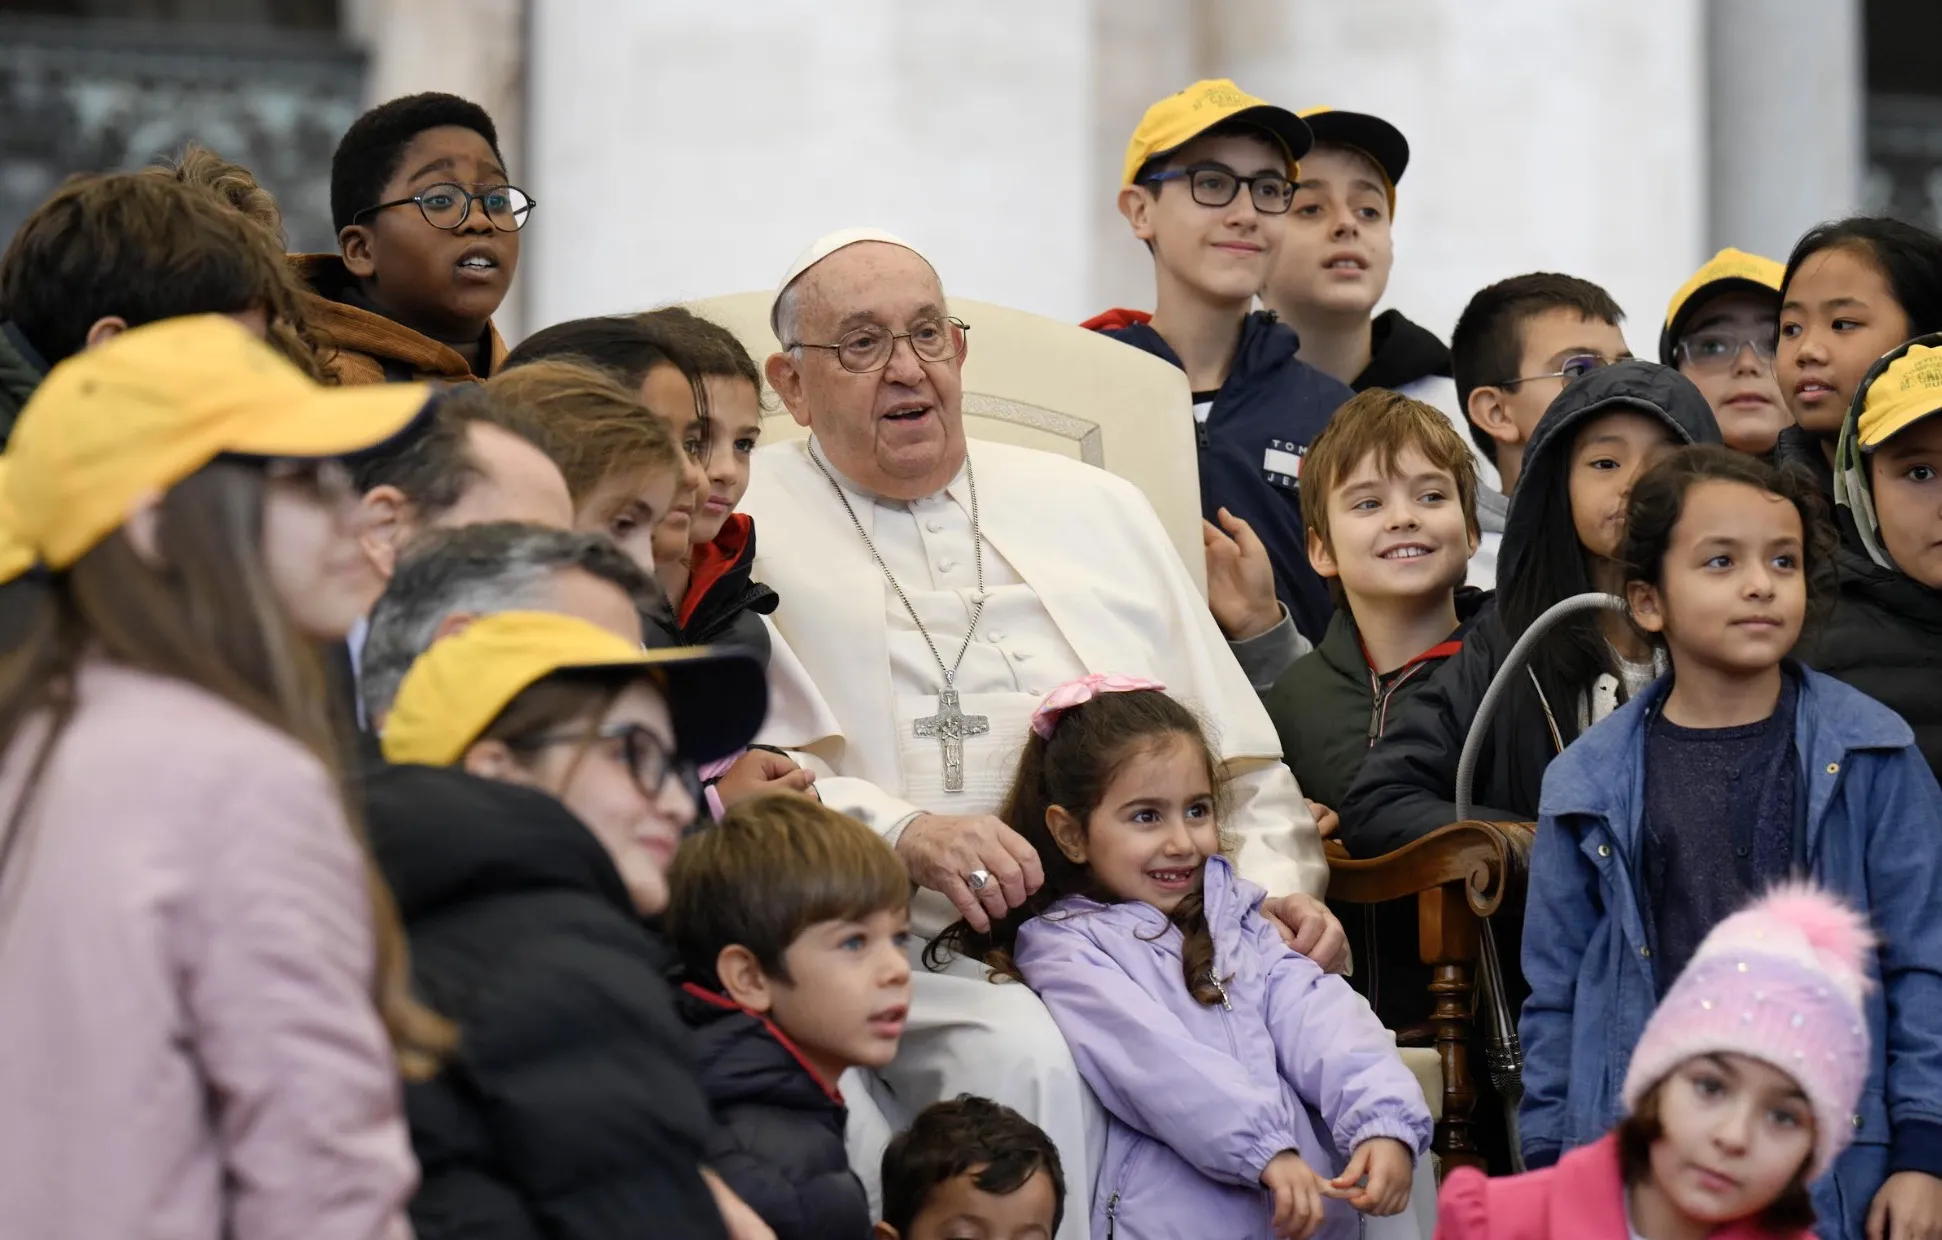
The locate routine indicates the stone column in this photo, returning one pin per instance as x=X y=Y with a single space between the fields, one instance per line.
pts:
x=1784 y=95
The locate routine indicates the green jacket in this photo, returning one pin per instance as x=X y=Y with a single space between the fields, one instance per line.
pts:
x=1330 y=706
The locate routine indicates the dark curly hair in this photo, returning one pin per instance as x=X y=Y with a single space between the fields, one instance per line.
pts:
x=369 y=153
x=1073 y=770
x=1659 y=498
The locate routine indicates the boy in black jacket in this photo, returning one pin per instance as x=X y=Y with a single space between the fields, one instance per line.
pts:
x=1207 y=186
x=792 y=922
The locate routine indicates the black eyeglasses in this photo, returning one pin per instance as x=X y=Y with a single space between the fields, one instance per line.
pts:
x=1577 y=366
x=868 y=349
x=1214 y=186
x=1720 y=350
x=448 y=206
x=650 y=762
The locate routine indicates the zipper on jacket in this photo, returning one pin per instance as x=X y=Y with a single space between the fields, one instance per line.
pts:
x=1213 y=975
x=1112 y=1216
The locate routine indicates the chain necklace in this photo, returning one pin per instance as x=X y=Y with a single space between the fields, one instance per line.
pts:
x=950 y=725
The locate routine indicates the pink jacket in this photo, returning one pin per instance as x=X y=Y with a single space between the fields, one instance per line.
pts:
x=188 y=1049
x=1582 y=1197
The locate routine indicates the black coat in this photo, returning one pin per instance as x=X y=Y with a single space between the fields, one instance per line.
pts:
x=1883 y=635
x=570 y=1108
x=779 y=1143
x=1407 y=786
x=725 y=604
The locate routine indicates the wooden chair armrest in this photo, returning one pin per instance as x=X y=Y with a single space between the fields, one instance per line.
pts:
x=1482 y=856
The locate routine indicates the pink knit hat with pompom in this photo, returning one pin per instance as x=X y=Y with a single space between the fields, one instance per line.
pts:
x=1781 y=981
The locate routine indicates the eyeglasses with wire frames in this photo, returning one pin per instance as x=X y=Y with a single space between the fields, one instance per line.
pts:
x=1214 y=185
x=1716 y=350
x=447 y=206
x=867 y=349
x=647 y=759
x=1572 y=368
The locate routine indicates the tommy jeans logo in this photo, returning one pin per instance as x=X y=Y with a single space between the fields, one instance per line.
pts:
x=1281 y=463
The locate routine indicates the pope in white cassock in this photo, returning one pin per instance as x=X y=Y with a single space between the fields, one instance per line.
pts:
x=932 y=592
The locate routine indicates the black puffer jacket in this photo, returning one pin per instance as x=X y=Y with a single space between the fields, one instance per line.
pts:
x=1884 y=637
x=1407 y=786
x=571 y=1107
x=780 y=1140
x=21 y=370
x=725 y=604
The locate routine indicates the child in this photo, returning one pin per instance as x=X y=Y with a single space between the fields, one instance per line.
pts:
x=1562 y=539
x=1737 y=1098
x=1719 y=332
x=110 y=252
x=1886 y=625
x=971 y=1166
x=1335 y=263
x=619 y=461
x=1731 y=773
x=1206 y=186
x=1238 y=1078
x=719 y=599
x=791 y=920
x=427 y=241
x=1852 y=290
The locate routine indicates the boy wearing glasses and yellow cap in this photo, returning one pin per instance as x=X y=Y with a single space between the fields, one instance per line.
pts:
x=1720 y=332
x=1886 y=625
x=427 y=239
x=1207 y=185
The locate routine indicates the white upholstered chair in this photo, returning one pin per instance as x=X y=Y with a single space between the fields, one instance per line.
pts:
x=1045 y=384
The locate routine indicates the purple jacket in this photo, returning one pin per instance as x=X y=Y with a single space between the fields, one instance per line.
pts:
x=1201 y=1098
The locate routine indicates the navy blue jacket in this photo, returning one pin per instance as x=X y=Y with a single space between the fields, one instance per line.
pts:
x=1266 y=414
x=1873 y=837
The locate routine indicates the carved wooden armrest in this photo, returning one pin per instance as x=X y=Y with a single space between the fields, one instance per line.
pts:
x=1458 y=874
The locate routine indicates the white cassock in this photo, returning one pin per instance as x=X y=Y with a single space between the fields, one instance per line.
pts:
x=1081 y=578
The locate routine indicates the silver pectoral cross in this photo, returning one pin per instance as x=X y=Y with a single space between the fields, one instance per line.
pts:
x=950 y=725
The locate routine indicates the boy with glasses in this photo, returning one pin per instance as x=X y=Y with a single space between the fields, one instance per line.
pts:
x=1720 y=332
x=1207 y=186
x=428 y=240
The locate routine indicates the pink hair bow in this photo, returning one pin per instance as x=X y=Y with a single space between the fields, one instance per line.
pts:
x=1079 y=692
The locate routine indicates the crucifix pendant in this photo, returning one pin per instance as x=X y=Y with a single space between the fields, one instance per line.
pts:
x=950 y=725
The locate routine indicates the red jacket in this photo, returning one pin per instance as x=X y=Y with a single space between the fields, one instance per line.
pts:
x=1580 y=1198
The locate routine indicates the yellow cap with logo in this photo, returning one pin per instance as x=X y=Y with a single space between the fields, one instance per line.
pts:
x=1178 y=119
x=16 y=557
x=1909 y=390
x=1726 y=271
x=148 y=408
x=452 y=693
x=1374 y=137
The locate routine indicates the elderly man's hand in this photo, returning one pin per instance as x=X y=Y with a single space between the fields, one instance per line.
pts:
x=1308 y=927
x=1240 y=578
x=760 y=772
x=942 y=853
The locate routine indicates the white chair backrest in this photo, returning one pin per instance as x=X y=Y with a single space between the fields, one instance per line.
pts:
x=1054 y=386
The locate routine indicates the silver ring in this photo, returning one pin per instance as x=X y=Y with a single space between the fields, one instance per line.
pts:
x=978 y=880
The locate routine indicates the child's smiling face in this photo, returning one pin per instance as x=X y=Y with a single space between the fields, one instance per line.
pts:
x=1154 y=828
x=445 y=283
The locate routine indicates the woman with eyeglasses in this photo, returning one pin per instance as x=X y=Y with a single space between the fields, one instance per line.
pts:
x=546 y=779
x=1720 y=332
x=198 y=965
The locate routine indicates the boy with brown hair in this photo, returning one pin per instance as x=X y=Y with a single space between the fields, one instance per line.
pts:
x=427 y=244
x=113 y=251
x=971 y=1166
x=1389 y=506
x=792 y=922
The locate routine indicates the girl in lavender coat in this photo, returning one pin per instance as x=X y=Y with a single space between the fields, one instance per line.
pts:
x=1249 y=1094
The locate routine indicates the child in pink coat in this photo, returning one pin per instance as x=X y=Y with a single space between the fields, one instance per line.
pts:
x=1739 y=1094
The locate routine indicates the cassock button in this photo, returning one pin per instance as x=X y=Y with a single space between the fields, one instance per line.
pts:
x=945 y=566
x=934 y=526
x=994 y=638
x=1021 y=655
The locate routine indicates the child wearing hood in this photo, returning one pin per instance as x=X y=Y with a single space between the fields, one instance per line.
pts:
x=1561 y=539
x=1735 y=772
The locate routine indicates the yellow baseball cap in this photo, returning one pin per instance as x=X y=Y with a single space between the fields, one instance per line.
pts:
x=450 y=696
x=150 y=407
x=1178 y=119
x=1909 y=390
x=16 y=557
x=1376 y=138
x=1726 y=271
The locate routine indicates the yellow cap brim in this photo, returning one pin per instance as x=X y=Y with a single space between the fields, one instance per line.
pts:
x=1876 y=426
x=334 y=422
